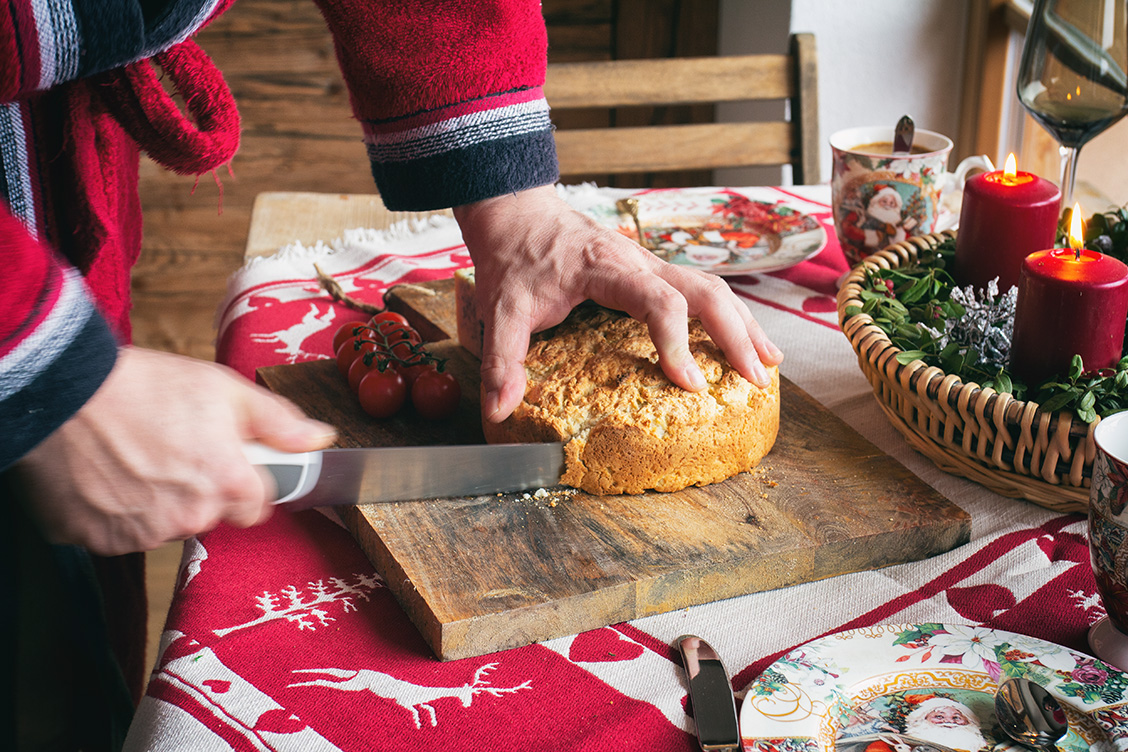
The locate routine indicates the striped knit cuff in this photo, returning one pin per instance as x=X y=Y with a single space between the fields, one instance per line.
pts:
x=62 y=40
x=463 y=153
x=51 y=374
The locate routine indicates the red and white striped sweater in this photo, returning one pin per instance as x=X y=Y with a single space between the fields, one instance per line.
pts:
x=448 y=95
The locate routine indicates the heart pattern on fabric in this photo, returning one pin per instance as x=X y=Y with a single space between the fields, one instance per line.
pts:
x=1065 y=547
x=819 y=304
x=981 y=603
x=219 y=686
x=602 y=646
x=279 y=721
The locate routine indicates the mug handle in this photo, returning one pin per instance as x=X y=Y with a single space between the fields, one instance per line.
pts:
x=951 y=190
x=958 y=176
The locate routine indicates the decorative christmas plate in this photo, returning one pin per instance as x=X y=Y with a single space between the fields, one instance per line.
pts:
x=721 y=231
x=900 y=687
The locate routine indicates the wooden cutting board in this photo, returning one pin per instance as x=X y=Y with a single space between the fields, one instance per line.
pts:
x=482 y=574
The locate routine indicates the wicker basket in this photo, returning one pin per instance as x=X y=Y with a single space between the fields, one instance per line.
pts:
x=1013 y=448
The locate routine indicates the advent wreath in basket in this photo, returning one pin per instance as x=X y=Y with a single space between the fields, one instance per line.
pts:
x=1014 y=447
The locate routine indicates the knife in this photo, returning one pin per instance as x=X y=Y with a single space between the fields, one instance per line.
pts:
x=710 y=693
x=386 y=474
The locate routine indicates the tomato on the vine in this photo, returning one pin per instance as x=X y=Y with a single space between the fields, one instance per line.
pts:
x=404 y=350
x=393 y=333
x=408 y=370
x=412 y=370
x=346 y=354
x=382 y=393
x=359 y=369
x=435 y=394
x=388 y=317
x=345 y=332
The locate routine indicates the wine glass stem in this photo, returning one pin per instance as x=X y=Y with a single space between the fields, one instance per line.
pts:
x=1069 y=156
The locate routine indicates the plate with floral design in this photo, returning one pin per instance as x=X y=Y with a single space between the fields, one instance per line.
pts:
x=721 y=231
x=908 y=687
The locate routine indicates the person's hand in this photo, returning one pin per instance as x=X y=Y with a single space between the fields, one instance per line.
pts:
x=536 y=258
x=156 y=455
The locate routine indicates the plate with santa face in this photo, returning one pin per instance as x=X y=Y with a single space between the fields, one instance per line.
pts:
x=721 y=231
x=905 y=687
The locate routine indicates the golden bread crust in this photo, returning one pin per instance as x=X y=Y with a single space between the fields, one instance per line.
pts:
x=594 y=382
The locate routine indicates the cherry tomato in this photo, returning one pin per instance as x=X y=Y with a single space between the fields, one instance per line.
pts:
x=388 y=317
x=344 y=332
x=382 y=393
x=349 y=352
x=359 y=369
x=402 y=350
x=412 y=370
x=398 y=333
x=394 y=326
x=346 y=354
x=435 y=394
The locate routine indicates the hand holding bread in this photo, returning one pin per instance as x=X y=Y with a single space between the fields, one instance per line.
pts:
x=536 y=258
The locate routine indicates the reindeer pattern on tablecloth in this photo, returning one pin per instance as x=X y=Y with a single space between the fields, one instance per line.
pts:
x=410 y=697
x=293 y=337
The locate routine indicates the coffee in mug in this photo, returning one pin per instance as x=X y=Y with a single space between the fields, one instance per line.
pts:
x=886 y=147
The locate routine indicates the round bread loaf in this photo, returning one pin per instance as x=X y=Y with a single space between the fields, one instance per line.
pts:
x=594 y=382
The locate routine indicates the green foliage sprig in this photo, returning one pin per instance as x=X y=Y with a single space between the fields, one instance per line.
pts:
x=1089 y=395
x=911 y=304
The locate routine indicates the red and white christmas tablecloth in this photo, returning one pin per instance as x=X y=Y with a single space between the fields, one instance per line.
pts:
x=283 y=636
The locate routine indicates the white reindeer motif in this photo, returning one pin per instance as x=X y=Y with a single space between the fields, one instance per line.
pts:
x=408 y=696
x=292 y=337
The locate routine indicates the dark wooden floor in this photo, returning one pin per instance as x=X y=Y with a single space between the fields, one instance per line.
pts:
x=298 y=134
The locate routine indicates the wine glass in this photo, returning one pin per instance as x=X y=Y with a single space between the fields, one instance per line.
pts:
x=1072 y=75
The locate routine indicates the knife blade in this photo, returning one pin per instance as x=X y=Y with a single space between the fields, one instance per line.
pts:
x=710 y=693
x=386 y=474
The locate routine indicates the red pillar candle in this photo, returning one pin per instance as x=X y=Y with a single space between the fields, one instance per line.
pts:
x=1071 y=301
x=1005 y=216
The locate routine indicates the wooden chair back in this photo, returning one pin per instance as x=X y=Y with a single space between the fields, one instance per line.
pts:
x=683 y=81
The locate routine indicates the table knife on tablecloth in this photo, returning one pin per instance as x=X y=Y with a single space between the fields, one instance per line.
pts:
x=387 y=474
x=710 y=695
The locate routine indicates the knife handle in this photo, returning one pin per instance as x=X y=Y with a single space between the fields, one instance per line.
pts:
x=295 y=473
x=710 y=694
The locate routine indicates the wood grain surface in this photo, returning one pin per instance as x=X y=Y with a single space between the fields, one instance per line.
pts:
x=482 y=574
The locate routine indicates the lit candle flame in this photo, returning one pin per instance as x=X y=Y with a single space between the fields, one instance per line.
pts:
x=1011 y=168
x=1076 y=231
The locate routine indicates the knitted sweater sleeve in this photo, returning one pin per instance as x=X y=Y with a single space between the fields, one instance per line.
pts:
x=55 y=349
x=449 y=95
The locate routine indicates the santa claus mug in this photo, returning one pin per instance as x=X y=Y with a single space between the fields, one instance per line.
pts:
x=1108 y=538
x=880 y=198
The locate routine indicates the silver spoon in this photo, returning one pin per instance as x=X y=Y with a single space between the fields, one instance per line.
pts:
x=1029 y=714
x=903 y=135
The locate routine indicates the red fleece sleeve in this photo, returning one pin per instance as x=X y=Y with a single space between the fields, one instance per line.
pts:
x=400 y=58
x=448 y=94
